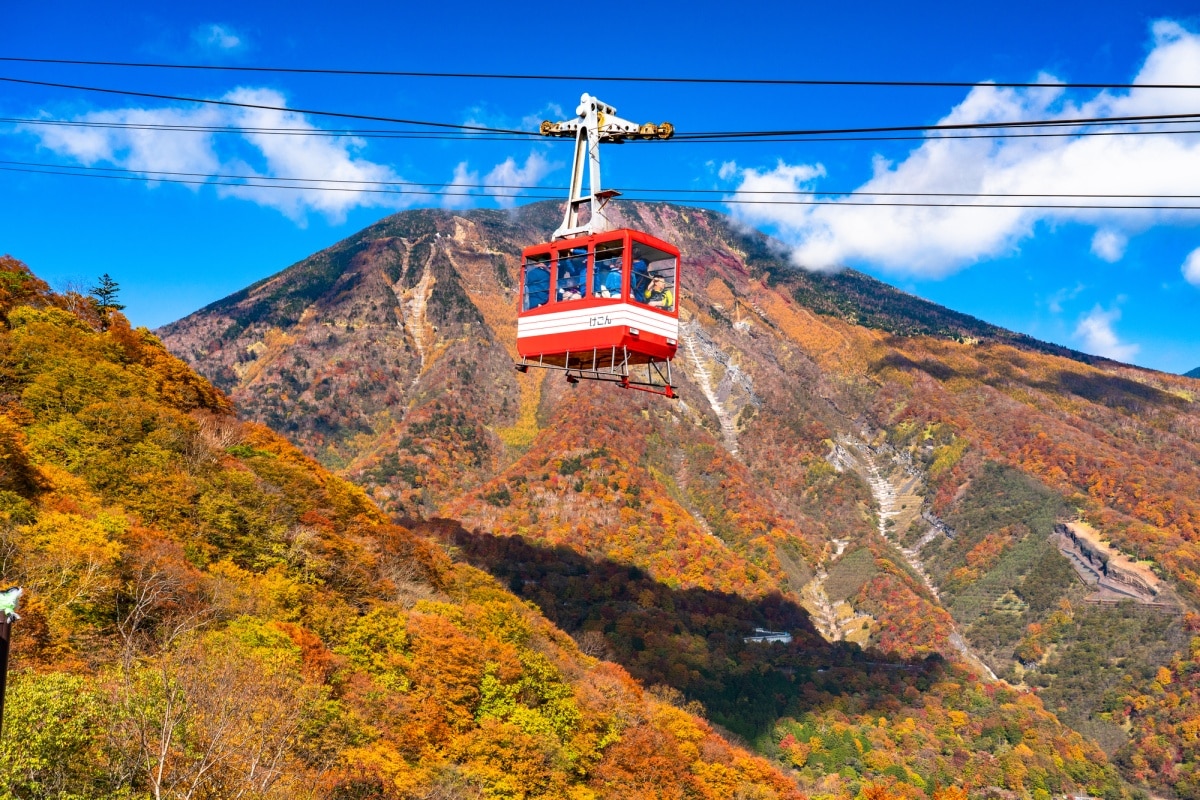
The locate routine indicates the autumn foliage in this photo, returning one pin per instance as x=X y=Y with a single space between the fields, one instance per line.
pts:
x=388 y=358
x=210 y=614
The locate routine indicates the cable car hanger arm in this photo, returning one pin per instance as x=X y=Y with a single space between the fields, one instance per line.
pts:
x=595 y=122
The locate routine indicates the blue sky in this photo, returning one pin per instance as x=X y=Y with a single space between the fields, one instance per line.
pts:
x=1119 y=283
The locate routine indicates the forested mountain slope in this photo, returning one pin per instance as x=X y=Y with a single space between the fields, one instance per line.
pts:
x=893 y=468
x=210 y=614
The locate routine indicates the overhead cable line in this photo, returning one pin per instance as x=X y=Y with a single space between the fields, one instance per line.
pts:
x=807 y=140
x=369 y=133
x=605 y=78
x=706 y=135
x=262 y=185
x=230 y=103
x=659 y=190
x=386 y=133
x=514 y=196
x=1139 y=119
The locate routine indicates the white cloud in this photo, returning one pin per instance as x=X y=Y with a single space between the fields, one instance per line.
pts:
x=331 y=159
x=139 y=149
x=511 y=178
x=929 y=241
x=728 y=170
x=506 y=179
x=250 y=154
x=1191 y=268
x=1109 y=245
x=338 y=179
x=461 y=188
x=217 y=37
x=1096 y=333
x=484 y=115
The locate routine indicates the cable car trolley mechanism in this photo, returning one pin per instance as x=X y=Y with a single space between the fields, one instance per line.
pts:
x=598 y=303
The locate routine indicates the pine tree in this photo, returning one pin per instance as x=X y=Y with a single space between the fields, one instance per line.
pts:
x=104 y=295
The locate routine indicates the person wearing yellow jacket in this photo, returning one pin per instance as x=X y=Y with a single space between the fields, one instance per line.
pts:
x=658 y=295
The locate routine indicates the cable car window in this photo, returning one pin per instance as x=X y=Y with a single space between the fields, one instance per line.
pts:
x=607 y=272
x=652 y=280
x=572 y=274
x=536 y=282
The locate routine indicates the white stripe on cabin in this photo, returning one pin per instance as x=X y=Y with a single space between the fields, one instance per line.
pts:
x=583 y=319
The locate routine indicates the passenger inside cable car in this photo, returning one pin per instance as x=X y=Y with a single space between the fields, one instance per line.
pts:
x=572 y=274
x=639 y=279
x=607 y=272
x=659 y=296
x=652 y=281
x=537 y=282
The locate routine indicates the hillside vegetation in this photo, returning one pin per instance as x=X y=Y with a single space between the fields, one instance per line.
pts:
x=388 y=358
x=210 y=614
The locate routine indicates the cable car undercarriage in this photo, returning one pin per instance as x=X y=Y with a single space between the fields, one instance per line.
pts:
x=612 y=366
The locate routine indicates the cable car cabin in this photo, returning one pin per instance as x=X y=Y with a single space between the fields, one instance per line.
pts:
x=595 y=306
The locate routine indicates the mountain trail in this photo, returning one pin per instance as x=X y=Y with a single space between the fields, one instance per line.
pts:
x=704 y=378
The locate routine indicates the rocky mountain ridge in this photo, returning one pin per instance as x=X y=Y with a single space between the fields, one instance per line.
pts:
x=388 y=357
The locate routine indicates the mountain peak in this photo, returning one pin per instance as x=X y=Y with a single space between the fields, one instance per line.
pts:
x=712 y=243
x=893 y=468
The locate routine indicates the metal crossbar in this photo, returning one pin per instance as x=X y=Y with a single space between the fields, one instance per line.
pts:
x=610 y=365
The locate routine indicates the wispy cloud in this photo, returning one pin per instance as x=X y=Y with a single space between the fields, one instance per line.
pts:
x=486 y=115
x=511 y=179
x=337 y=178
x=1095 y=331
x=218 y=37
x=551 y=111
x=506 y=178
x=1109 y=245
x=932 y=242
x=462 y=189
x=1055 y=303
x=321 y=160
x=1191 y=268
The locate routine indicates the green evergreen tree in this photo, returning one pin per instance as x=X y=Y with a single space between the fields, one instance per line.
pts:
x=104 y=295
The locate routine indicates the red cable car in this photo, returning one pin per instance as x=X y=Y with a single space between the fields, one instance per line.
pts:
x=596 y=303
